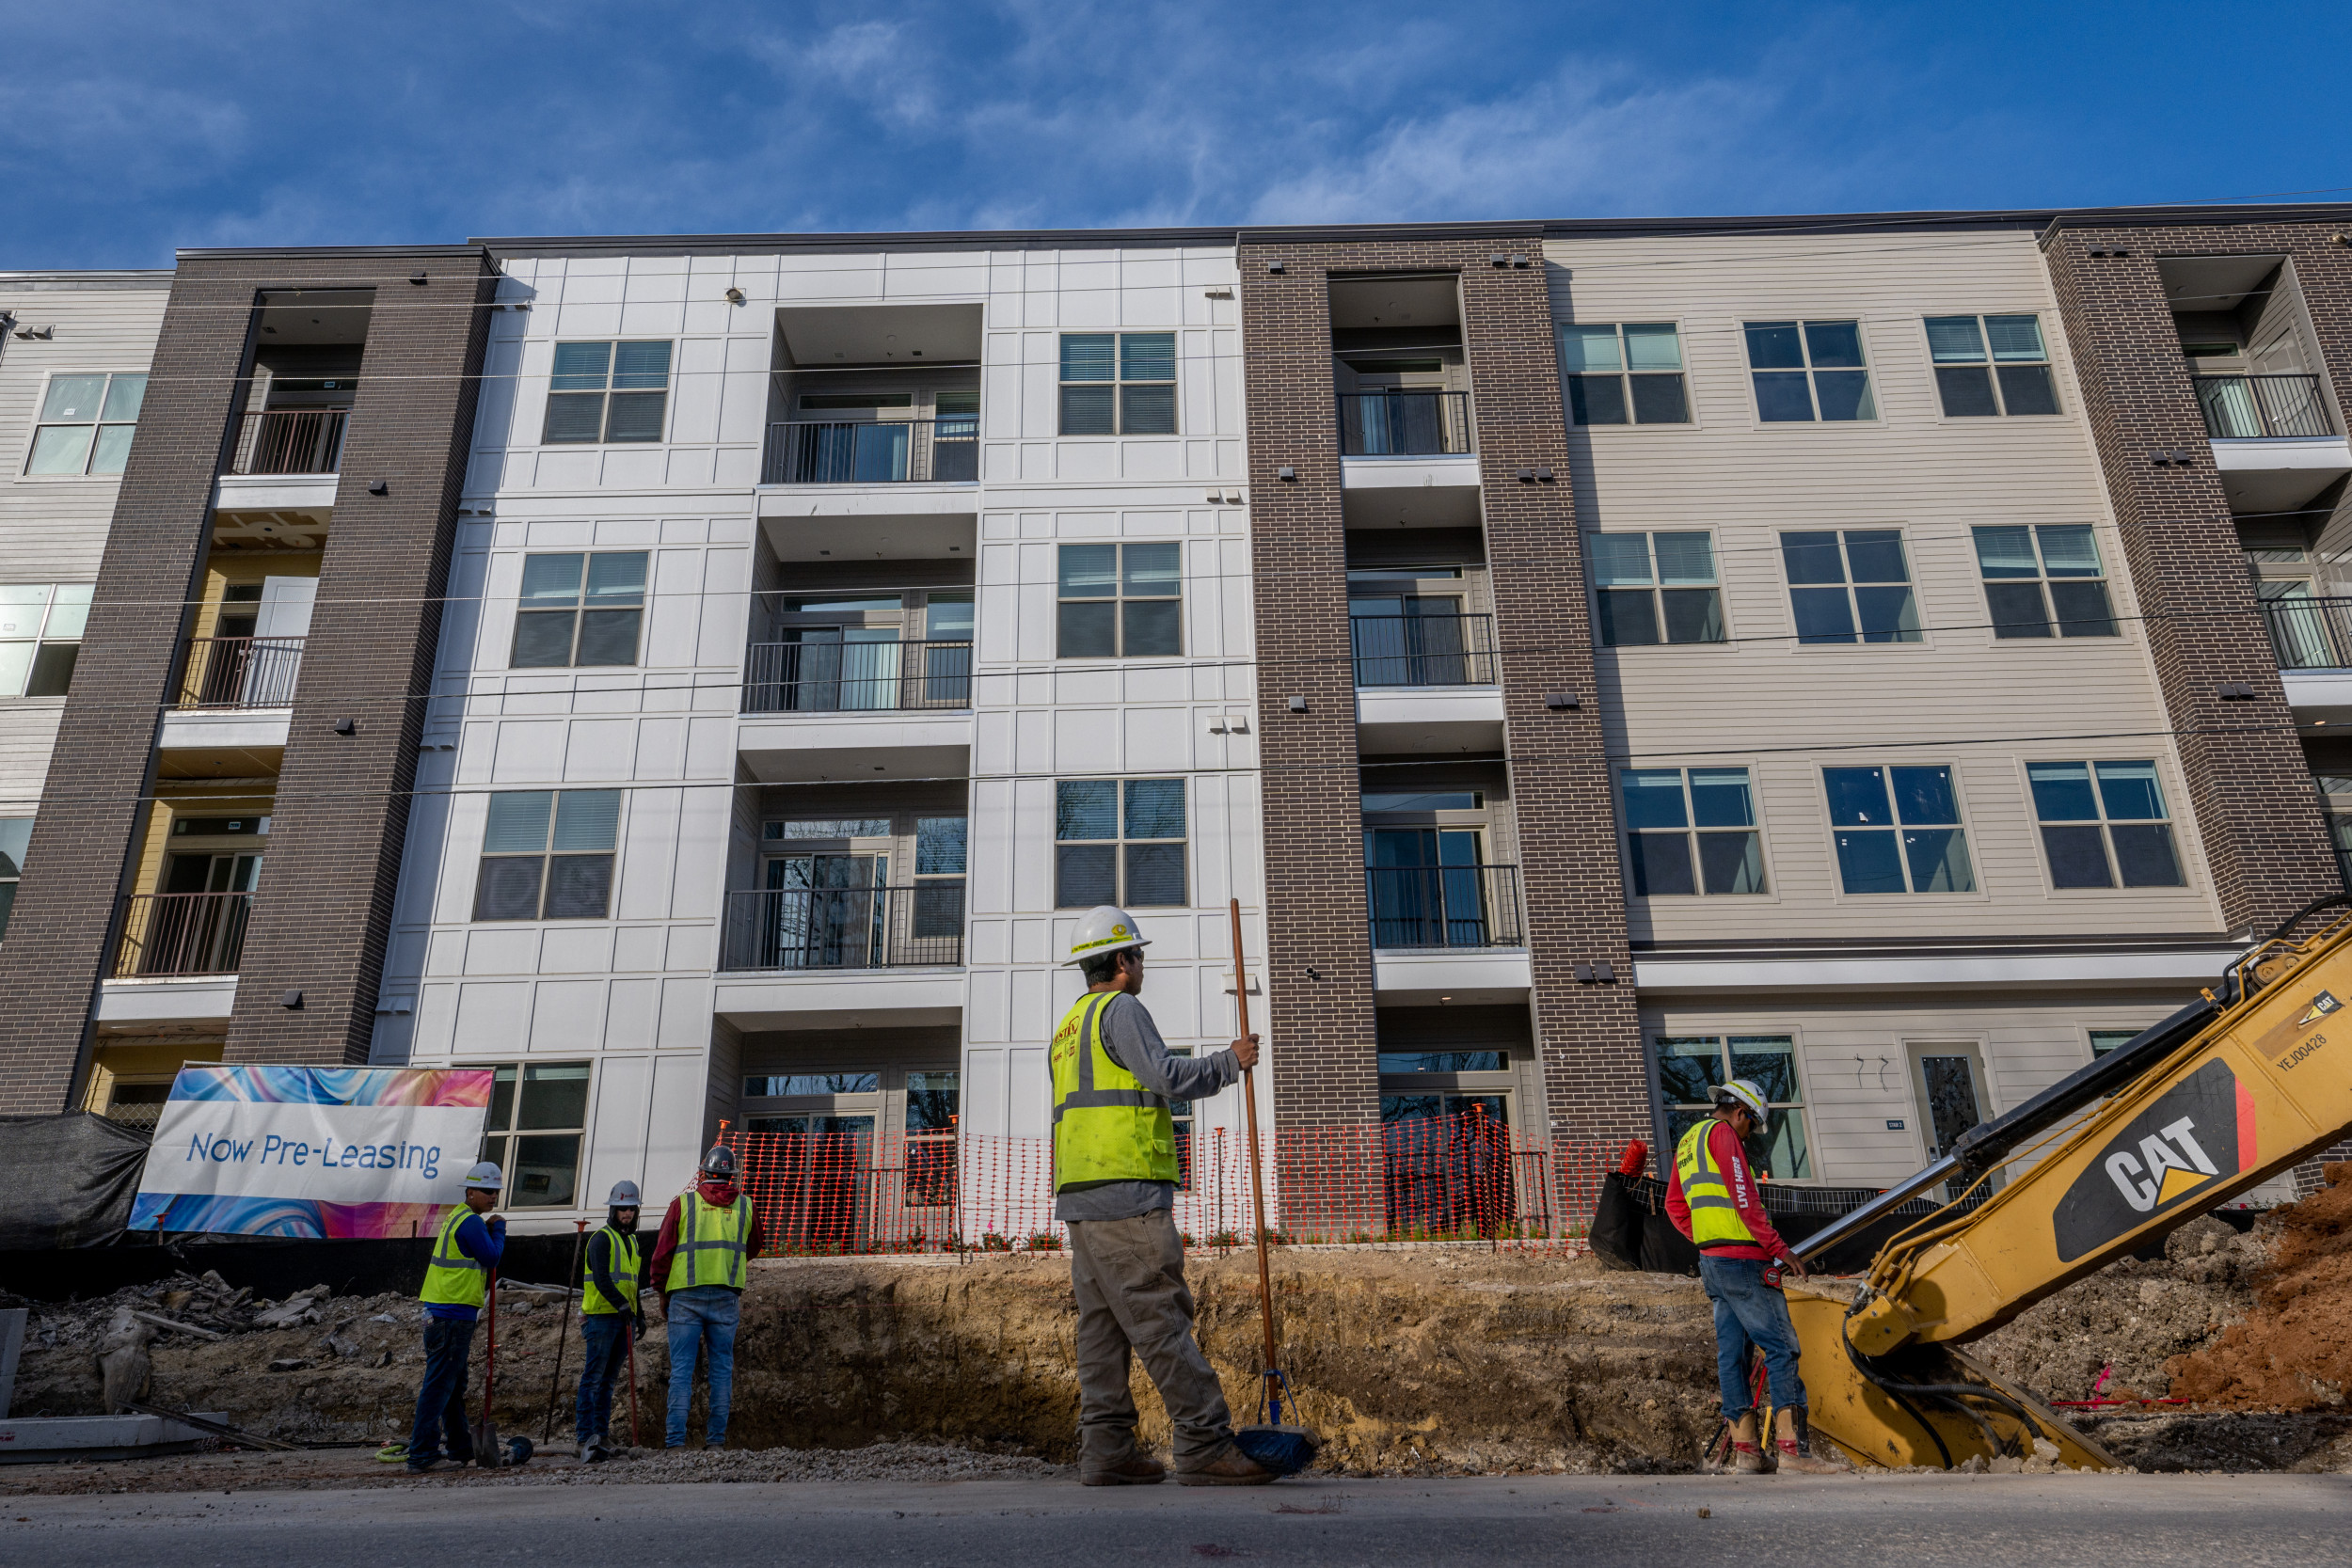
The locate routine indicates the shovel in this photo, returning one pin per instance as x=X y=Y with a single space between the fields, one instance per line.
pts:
x=485 y=1431
x=1285 y=1448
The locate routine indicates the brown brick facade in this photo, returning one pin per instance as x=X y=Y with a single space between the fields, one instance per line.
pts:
x=321 y=911
x=2264 y=835
x=1319 y=958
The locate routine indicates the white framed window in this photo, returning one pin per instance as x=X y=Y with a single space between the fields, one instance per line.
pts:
x=1851 y=585
x=1656 y=587
x=1627 y=374
x=1118 y=841
x=579 y=610
x=88 y=419
x=2104 y=824
x=538 y=1115
x=2030 y=572
x=1988 y=366
x=41 y=636
x=1692 y=1067
x=547 y=854
x=1667 y=808
x=1811 y=371
x=2105 y=1040
x=1119 y=384
x=608 y=392
x=1897 y=829
x=15 y=833
x=1119 y=601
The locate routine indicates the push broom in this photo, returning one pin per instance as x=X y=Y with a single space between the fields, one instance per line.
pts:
x=1285 y=1448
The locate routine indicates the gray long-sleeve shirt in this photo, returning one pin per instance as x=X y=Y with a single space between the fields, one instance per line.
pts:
x=1134 y=1042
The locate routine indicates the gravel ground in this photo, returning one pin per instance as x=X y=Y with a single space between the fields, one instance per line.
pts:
x=903 y=1462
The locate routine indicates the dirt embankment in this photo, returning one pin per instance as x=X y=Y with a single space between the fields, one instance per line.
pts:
x=2294 y=1350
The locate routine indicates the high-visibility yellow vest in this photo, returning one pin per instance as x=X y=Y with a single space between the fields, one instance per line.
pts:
x=710 y=1243
x=622 y=1267
x=1107 y=1127
x=452 y=1278
x=1714 y=1218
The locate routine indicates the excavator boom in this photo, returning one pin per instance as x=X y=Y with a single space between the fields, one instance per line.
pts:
x=2205 y=1107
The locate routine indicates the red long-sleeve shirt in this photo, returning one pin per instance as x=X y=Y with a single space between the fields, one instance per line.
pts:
x=1733 y=1162
x=719 y=1195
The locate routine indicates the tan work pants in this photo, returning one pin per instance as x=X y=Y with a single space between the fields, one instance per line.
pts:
x=1129 y=1276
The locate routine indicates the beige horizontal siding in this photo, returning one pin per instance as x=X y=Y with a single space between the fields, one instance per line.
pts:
x=55 y=529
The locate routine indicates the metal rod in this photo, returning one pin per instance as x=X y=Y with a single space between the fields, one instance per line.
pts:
x=579 y=1239
x=1257 y=1172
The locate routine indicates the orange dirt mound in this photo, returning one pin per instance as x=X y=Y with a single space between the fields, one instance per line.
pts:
x=2294 y=1351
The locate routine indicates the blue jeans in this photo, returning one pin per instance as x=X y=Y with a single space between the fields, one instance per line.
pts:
x=701 y=1315
x=1750 y=1312
x=441 y=1399
x=607 y=1335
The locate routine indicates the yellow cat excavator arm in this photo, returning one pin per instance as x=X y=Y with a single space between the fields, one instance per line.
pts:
x=2251 y=1078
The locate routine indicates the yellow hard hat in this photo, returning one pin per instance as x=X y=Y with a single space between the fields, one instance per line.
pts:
x=1105 y=929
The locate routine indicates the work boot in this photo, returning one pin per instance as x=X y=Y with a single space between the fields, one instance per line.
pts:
x=1746 y=1460
x=419 y=1464
x=1792 y=1460
x=1231 y=1468
x=1134 y=1470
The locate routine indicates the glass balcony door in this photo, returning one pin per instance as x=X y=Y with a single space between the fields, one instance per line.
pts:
x=1426 y=888
x=823 y=911
x=1408 y=639
x=844 y=669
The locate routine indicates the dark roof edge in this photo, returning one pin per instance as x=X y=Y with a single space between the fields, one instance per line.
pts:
x=470 y=249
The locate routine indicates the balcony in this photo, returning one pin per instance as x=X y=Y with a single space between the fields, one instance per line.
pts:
x=290 y=441
x=166 y=934
x=2274 y=441
x=804 y=929
x=225 y=674
x=857 y=677
x=896 y=452
x=2255 y=407
x=1442 y=907
x=1405 y=423
x=1423 y=649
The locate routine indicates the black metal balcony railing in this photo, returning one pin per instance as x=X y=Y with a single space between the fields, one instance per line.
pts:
x=181 y=933
x=857 y=677
x=241 y=672
x=870 y=453
x=2310 y=634
x=290 y=441
x=1444 y=906
x=2238 y=407
x=1423 y=649
x=858 y=927
x=1404 y=424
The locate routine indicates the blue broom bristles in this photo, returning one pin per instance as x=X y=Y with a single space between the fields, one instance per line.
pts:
x=1284 y=1450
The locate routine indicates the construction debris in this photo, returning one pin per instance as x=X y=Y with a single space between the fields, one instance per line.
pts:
x=2294 y=1350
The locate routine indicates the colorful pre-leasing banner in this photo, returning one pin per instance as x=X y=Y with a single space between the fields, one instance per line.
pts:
x=313 y=1152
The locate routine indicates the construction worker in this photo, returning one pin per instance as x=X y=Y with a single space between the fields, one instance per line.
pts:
x=609 y=1317
x=1115 y=1175
x=466 y=1249
x=699 y=1260
x=1713 y=1198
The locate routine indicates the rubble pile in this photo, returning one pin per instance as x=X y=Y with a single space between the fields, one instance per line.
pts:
x=2292 y=1352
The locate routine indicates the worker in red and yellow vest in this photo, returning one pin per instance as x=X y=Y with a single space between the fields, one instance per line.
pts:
x=1115 y=1175
x=698 y=1262
x=1711 y=1198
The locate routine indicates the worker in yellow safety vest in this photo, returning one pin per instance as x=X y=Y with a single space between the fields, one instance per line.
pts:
x=1115 y=1176
x=466 y=1248
x=610 y=1319
x=707 y=1236
x=1713 y=1198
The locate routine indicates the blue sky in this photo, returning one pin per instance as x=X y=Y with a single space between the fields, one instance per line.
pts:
x=129 y=129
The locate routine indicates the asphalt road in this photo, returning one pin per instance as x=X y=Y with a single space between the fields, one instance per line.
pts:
x=2118 y=1522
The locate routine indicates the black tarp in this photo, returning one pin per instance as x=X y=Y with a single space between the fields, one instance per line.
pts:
x=65 y=1182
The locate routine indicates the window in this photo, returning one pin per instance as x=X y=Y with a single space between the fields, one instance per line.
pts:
x=930 y=1148
x=1807 y=371
x=579 y=610
x=86 y=424
x=15 y=833
x=1423 y=800
x=1661 y=807
x=1119 y=842
x=791 y=1085
x=1967 y=378
x=2117 y=832
x=40 y=637
x=1121 y=601
x=1444 y=1061
x=1685 y=606
x=2105 y=1040
x=1629 y=374
x=1897 y=829
x=1850 y=586
x=939 y=859
x=1692 y=1067
x=538 y=1110
x=608 y=392
x=548 y=855
x=828 y=826
x=1119 y=384
x=2021 y=588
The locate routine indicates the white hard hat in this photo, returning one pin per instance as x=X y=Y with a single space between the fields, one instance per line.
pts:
x=624 y=1195
x=1105 y=929
x=485 y=1173
x=1744 y=1093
